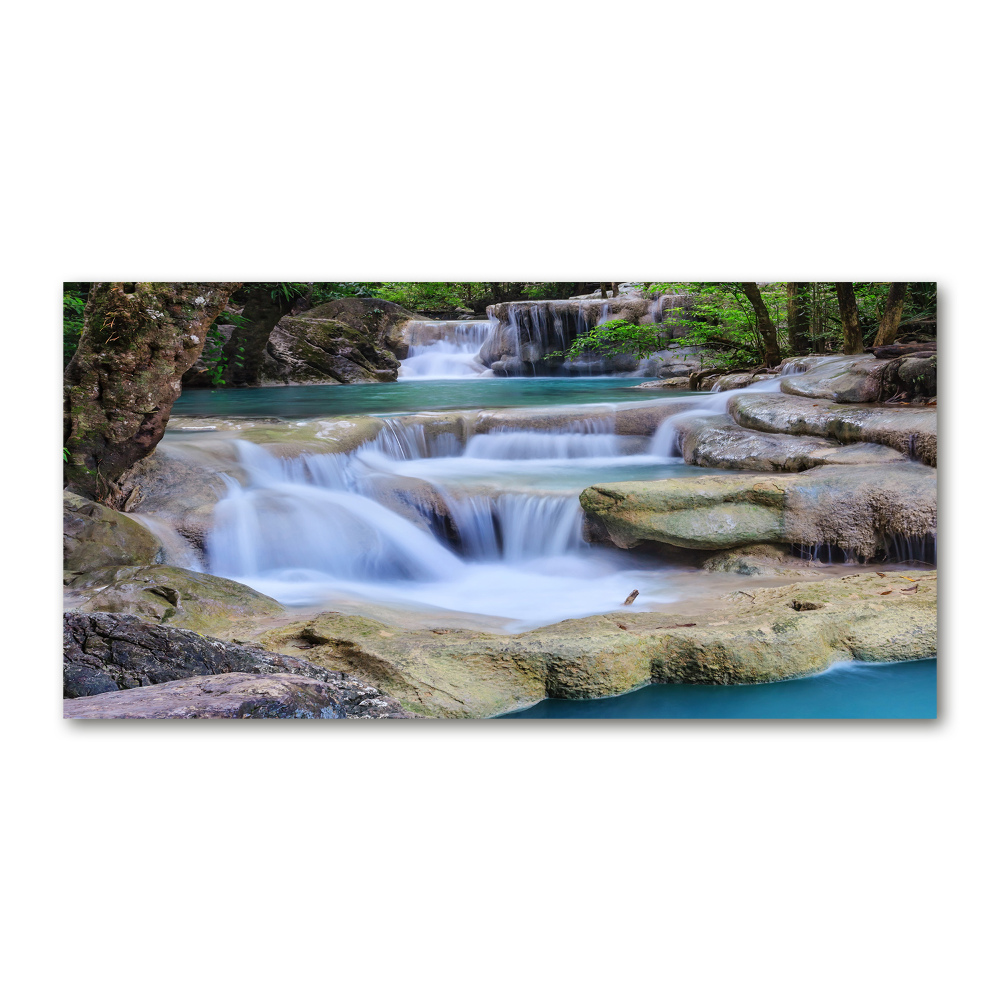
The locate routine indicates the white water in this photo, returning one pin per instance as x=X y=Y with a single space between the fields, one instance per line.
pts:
x=445 y=349
x=451 y=349
x=668 y=442
x=302 y=532
x=421 y=520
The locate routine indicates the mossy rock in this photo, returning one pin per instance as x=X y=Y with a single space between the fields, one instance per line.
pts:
x=166 y=595
x=95 y=536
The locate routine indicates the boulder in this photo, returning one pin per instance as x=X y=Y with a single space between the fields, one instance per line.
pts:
x=162 y=594
x=718 y=442
x=343 y=341
x=738 y=380
x=857 y=378
x=918 y=377
x=744 y=637
x=680 y=382
x=239 y=696
x=757 y=560
x=95 y=536
x=861 y=509
x=912 y=431
x=113 y=652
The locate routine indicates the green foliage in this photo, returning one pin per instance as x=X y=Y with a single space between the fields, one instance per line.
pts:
x=448 y=296
x=420 y=296
x=212 y=357
x=722 y=317
x=618 y=336
x=319 y=291
x=73 y=305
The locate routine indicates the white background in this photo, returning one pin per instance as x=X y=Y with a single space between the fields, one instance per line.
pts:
x=537 y=141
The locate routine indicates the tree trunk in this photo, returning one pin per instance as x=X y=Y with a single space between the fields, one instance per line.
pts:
x=849 y=317
x=798 y=316
x=768 y=334
x=893 y=314
x=138 y=340
x=260 y=315
x=604 y=289
x=614 y=289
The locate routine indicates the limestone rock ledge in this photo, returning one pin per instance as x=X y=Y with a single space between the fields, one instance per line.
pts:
x=857 y=508
x=745 y=637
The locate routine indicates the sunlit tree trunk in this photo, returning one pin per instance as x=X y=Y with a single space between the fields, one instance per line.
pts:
x=893 y=314
x=849 y=317
x=798 y=316
x=768 y=333
x=138 y=340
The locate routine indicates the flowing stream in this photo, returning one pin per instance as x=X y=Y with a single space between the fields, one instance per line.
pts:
x=443 y=521
x=483 y=524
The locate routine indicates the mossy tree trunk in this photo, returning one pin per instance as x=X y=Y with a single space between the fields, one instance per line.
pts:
x=768 y=333
x=853 y=343
x=138 y=340
x=798 y=316
x=889 y=323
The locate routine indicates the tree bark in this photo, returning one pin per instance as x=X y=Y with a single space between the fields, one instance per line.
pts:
x=853 y=343
x=798 y=316
x=261 y=315
x=138 y=340
x=604 y=289
x=768 y=334
x=893 y=314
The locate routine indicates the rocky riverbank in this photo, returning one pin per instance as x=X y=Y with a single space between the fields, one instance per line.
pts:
x=148 y=637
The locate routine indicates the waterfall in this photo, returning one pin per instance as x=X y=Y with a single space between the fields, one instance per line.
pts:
x=517 y=527
x=444 y=349
x=668 y=441
x=531 y=445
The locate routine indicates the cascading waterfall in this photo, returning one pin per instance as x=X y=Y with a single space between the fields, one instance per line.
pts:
x=320 y=527
x=524 y=336
x=285 y=526
x=517 y=527
x=445 y=349
x=433 y=520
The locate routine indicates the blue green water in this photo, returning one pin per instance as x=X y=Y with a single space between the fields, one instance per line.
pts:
x=301 y=401
x=906 y=690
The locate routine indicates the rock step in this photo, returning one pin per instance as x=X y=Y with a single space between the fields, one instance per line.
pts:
x=856 y=508
x=912 y=431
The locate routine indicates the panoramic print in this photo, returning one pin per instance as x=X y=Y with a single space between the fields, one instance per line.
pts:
x=503 y=500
